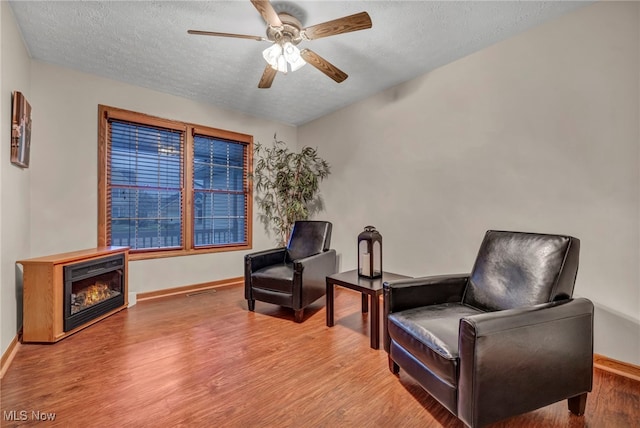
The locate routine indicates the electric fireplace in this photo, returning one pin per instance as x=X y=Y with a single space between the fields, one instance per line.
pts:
x=65 y=293
x=91 y=289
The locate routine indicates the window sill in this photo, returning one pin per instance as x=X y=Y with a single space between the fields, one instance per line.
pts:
x=147 y=255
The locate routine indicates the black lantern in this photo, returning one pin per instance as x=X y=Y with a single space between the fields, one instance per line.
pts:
x=370 y=253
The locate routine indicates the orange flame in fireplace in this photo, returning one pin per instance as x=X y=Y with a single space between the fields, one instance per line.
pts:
x=96 y=293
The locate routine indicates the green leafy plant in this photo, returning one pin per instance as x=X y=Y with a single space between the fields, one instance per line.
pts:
x=287 y=185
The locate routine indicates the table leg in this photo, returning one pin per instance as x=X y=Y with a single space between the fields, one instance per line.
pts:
x=365 y=303
x=375 y=322
x=329 y=304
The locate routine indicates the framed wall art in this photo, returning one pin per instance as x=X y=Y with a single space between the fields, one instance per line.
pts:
x=20 y=130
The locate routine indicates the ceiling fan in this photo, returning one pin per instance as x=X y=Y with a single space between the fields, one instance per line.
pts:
x=286 y=32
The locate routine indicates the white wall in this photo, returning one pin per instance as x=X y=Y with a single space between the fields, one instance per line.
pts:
x=14 y=181
x=537 y=133
x=64 y=169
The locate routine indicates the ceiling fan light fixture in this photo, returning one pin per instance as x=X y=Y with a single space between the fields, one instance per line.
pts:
x=297 y=64
x=279 y=55
x=282 y=64
x=272 y=53
x=292 y=55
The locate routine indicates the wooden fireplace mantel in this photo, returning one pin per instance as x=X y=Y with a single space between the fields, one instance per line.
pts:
x=43 y=292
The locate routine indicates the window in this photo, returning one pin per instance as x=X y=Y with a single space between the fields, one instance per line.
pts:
x=169 y=188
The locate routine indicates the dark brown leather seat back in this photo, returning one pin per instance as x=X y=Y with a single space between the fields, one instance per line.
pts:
x=308 y=237
x=515 y=269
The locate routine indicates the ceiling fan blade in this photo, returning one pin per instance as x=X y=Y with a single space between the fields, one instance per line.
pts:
x=323 y=65
x=267 y=77
x=268 y=12
x=347 y=24
x=238 y=36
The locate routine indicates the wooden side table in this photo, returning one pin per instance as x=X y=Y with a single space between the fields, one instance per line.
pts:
x=368 y=287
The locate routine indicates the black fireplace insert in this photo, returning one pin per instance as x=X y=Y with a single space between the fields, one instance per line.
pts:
x=92 y=288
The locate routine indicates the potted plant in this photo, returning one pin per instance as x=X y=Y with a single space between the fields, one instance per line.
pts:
x=287 y=185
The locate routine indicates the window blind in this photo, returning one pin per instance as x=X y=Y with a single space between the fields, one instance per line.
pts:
x=220 y=191
x=145 y=186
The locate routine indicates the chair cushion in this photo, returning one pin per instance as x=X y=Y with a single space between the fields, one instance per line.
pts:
x=275 y=277
x=308 y=238
x=430 y=334
x=515 y=269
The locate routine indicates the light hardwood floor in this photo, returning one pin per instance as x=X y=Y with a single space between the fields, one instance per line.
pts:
x=205 y=361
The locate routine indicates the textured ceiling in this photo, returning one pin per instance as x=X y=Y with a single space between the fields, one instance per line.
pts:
x=145 y=43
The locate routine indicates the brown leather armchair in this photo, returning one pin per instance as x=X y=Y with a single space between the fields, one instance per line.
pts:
x=292 y=276
x=506 y=339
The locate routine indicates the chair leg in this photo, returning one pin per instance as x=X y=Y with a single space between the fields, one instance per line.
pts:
x=578 y=404
x=251 y=304
x=393 y=366
x=298 y=315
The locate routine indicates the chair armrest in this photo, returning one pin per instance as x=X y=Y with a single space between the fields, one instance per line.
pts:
x=261 y=259
x=518 y=360
x=311 y=274
x=429 y=290
x=317 y=267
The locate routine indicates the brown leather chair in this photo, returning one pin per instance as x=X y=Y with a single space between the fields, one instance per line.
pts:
x=293 y=276
x=506 y=339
